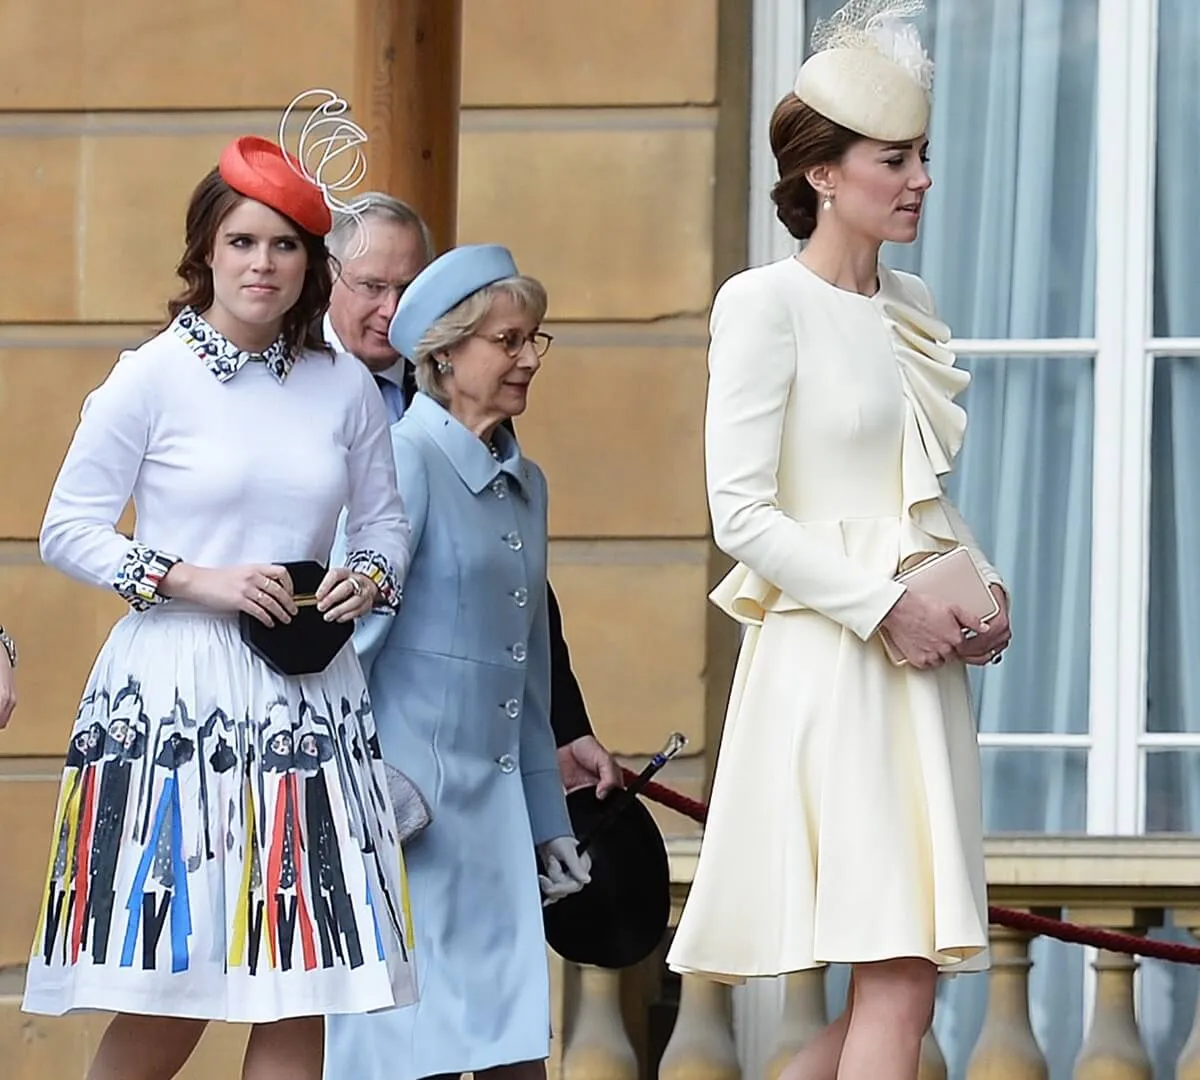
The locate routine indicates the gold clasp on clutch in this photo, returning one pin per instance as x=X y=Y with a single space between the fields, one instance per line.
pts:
x=305 y=600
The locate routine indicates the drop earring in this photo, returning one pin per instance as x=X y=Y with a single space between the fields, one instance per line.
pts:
x=827 y=203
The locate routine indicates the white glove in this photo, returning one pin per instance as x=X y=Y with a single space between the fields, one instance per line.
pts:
x=565 y=871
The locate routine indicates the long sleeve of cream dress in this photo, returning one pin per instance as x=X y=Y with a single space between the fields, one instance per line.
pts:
x=845 y=821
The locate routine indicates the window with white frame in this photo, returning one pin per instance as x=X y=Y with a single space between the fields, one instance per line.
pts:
x=1062 y=246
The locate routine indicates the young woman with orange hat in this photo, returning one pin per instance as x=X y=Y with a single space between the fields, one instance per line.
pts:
x=223 y=847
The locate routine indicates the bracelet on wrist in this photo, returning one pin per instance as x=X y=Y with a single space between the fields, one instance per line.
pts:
x=9 y=646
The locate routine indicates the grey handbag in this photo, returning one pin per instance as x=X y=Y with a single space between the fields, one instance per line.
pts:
x=408 y=804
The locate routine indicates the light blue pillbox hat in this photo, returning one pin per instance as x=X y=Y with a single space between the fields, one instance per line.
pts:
x=444 y=283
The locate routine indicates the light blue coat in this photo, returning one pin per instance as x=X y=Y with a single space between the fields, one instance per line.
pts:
x=460 y=687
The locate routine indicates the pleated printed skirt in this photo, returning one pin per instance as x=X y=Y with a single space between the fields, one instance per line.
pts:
x=223 y=846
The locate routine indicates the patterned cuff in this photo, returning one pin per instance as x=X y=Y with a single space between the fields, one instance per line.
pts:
x=139 y=575
x=379 y=569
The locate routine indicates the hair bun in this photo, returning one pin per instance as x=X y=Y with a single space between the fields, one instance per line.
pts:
x=796 y=209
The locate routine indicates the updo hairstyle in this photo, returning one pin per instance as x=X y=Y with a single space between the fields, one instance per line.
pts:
x=801 y=139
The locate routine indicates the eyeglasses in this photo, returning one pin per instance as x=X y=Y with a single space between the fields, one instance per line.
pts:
x=375 y=291
x=513 y=342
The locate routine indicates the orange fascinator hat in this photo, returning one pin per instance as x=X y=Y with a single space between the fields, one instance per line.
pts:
x=262 y=171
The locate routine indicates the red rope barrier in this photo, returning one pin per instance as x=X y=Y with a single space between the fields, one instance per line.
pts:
x=1016 y=920
x=672 y=800
x=1088 y=935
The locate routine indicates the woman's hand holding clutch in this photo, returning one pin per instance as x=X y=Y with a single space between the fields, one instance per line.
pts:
x=988 y=647
x=928 y=631
x=564 y=870
x=262 y=590
x=345 y=595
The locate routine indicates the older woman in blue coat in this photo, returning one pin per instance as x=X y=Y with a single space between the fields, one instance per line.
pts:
x=460 y=686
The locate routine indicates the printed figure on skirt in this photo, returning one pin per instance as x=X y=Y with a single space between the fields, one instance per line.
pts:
x=224 y=846
x=845 y=824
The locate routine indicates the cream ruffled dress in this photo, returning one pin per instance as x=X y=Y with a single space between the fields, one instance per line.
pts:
x=845 y=819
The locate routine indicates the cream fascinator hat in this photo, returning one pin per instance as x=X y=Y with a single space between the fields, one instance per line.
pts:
x=869 y=71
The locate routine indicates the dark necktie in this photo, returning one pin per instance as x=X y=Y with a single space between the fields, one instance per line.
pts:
x=393 y=398
x=409 y=383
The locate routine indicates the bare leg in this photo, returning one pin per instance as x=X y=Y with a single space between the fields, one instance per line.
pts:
x=893 y=1008
x=286 y=1050
x=522 y=1070
x=145 y=1047
x=820 y=1056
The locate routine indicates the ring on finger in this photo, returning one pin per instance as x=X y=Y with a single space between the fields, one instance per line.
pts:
x=356 y=585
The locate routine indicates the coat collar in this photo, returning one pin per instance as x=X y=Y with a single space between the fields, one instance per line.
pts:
x=472 y=460
x=220 y=355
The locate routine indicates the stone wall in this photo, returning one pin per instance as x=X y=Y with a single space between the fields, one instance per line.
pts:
x=605 y=143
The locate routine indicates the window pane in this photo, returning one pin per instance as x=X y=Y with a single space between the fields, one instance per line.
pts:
x=1174 y=631
x=1008 y=238
x=1173 y=791
x=1172 y=777
x=1034 y=790
x=1024 y=483
x=1177 y=255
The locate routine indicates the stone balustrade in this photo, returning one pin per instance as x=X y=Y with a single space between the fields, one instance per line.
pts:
x=1126 y=884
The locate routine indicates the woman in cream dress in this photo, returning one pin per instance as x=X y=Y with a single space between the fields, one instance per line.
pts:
x=845 y=823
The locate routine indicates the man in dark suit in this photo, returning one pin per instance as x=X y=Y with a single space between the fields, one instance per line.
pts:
x=368 y=283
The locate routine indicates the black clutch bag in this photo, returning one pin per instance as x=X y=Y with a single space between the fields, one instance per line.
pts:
x=308 y=643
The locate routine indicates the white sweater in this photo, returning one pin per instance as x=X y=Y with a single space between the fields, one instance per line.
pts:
x=229 y=460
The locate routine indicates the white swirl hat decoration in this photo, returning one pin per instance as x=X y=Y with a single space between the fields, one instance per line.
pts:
x=327 y=151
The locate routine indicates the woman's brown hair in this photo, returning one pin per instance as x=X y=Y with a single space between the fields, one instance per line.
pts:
x=212 y=202
x=801 y=139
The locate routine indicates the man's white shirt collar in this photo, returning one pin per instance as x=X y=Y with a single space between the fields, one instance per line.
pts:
x=394 y=374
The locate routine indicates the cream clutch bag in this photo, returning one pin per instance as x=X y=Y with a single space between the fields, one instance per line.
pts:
x=953 y=578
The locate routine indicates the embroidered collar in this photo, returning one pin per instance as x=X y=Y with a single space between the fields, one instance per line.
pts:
x=220 y=355
x=474 y=461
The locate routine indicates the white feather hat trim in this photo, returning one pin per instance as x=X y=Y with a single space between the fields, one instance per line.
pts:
x=870 y=72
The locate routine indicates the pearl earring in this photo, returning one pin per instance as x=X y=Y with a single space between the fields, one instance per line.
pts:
x=827 y=203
